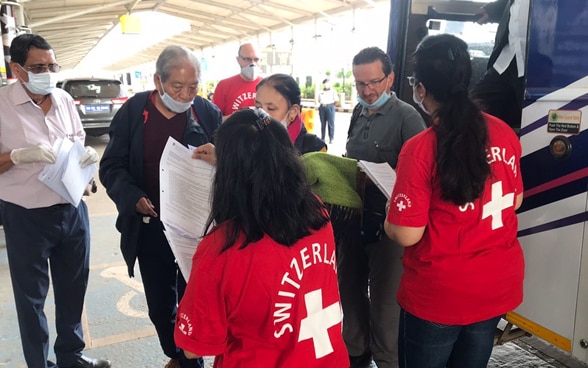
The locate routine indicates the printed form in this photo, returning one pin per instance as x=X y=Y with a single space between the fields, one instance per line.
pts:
x=185 y=185
x=66 y=177
x=381 y=174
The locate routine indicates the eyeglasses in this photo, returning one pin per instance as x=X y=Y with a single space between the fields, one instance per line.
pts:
x=263 y=118
x=250 y=60
x=411 y=81
x=371 y=84
x=42 y=68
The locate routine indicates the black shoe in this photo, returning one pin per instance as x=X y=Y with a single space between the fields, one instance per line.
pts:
x=86 y=362
x=361 y=361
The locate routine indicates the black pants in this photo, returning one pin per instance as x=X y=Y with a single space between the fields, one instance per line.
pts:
x=52 y=239
x=164 y=287
x=502 y=95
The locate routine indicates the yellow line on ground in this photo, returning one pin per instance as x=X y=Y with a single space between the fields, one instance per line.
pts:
x=107 y=265
x=126 y=336
x=86 y=327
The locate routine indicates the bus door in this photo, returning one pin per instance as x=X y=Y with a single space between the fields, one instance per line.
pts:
x=410 y=21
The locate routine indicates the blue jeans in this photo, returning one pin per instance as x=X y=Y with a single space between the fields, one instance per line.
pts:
x=424 y=344
x=327 y=117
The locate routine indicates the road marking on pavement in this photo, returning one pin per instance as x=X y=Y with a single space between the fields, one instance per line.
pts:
x=123 y=337
x=123 y=304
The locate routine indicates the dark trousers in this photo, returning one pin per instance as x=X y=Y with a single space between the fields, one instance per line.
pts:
x=58 y=236
x=327 y=116
x=424 y=344
x=501 y=95
x=164 y=287
x=369 y=275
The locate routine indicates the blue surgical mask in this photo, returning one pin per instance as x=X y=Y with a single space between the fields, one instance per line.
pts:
x=384 y=97
x=173 y=105
x=41 y=83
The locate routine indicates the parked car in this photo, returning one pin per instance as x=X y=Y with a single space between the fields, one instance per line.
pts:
x=97 y=101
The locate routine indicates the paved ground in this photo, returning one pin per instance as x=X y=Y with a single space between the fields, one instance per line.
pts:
x=115 y=319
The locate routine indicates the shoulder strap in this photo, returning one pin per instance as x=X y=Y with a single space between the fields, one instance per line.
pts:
x=204 y=117
x=354 y=118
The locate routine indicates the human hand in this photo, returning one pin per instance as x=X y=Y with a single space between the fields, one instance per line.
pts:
x=483 y=19
x=89 y=158
x=145 y=207
x=38 y=153
x=206 y=152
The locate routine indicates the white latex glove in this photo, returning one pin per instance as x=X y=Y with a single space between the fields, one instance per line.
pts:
x=38 y=153
x=89 y=158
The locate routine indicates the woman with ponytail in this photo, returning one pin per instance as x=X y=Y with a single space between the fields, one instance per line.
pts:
x=453 y=208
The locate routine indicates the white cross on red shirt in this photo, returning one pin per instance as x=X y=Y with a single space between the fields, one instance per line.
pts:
x=315 y=326
x=497 y=204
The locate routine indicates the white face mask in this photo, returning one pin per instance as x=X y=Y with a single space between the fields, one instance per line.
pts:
x=284 y=121
x=41 y=83
x=173 y=105
x=419 y=102
x=250 y=71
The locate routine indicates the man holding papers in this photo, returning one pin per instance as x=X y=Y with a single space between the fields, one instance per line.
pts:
x=130 y=170
x=42 y=227
x=369 y=266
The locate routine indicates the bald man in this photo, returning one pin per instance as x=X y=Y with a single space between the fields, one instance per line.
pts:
x=238 y=91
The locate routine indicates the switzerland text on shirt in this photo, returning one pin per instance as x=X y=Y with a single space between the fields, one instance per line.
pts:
x=243 y=97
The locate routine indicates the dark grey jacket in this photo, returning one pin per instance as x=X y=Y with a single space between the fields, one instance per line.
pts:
x=121 y=166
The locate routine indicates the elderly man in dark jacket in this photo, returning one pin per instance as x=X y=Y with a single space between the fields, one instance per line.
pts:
x=129 y=170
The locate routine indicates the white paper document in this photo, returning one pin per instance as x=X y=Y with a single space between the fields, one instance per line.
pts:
x=381 y=174
x=66 y=177
x=185 y=185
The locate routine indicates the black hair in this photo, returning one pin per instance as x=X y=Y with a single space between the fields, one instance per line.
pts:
x=285 y=85
x=371 y=54
x=260 y=184
x=442 y=64
x=20 y=46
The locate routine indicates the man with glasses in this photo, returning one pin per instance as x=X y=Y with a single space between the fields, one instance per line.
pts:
x=238 y=91
x=369 y=265
x=44 y=233
x=129 y=170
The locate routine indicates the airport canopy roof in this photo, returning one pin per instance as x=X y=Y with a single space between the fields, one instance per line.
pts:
x=75 y=27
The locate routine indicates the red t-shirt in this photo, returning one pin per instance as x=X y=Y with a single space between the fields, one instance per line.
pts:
x=468 y=267
x=234 y=93
x=267 y=305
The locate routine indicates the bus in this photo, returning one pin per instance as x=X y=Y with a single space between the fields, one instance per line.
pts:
x=553 y=220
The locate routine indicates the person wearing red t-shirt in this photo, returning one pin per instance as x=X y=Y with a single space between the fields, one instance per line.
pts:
x=453 y=208
x=238 y=91
x=263 y=286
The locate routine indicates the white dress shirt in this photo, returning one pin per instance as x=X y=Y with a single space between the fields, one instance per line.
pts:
x=24 y=124
x=517 y=38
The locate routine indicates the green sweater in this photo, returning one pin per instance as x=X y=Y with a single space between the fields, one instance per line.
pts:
x=333 y=178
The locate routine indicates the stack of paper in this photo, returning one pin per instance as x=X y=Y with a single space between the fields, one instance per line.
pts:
x=66 y=177
x=381 y=174
x=185 y=185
